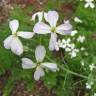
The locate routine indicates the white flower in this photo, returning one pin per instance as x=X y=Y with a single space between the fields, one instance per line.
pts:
x=57 y=47
x=82 y=48
x=74 y=32
x=94 y=94
x=41 y=28
x=78 y=20
x=66 y=43
x=40 y=16
x=89 y=3
x=73 y=51
x=92 y=66
x=81 y=39
x=12 y=42
x=82 y=63
x=89 y=85
x=40 y=53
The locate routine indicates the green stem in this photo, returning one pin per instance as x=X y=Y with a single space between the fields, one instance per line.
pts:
x=73 y=73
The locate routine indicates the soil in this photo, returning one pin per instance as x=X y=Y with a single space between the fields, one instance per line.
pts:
x=3 y=80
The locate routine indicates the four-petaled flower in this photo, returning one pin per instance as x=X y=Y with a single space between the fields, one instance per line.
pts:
x=12 y=42
x=81 y=39
x=91 y=67
x=40 y=53
x=66 y=43
x=72 y=50
x=52 y=17
x=89 y=3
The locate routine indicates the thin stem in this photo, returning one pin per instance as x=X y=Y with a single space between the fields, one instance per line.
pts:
x=73 y=73
x=69 y=71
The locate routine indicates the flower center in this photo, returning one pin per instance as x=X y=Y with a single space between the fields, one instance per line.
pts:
x=15 y=34
x=53 y=29
x=38 y=63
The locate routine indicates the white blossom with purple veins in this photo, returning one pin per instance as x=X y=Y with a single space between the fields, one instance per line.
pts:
x=13 y=42
x=89 y=3
x=51 y=18
x=40 y=53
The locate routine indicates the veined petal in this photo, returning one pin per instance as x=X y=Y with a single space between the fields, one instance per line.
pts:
x=27 y=63
x=26 y=35
x=16 y=46
x=41 y=28
x=52 y=18
x=64 y=29
x=60 y=29
x=50 y=66
x=14 y=24
x=8 y=41
x=38 y=73
x=52 y=42
x=40 y=53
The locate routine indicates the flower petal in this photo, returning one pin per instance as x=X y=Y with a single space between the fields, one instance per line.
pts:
x=45 y=16
x=64 y=29
x=8 y=41
x=39 y=15
x=87 y=5
x=52 y=42
x=92 y=5
x=52 y=18
x=40 y=53
x=50 y=66
x=73 y=54
x=14 y=24
x=16 y=46
x=78 y=20
x=41 y=28
x=38 y=73
x=74 y=32
x=26 y=35
x=27 y=63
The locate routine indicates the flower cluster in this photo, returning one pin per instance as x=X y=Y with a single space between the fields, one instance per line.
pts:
x=47 y=24
x=69 y=45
